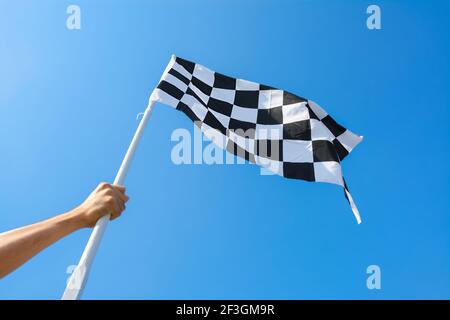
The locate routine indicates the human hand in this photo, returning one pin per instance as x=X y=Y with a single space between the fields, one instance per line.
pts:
x=105 y=199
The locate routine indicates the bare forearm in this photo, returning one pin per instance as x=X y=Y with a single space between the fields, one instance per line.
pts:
x=20 y=245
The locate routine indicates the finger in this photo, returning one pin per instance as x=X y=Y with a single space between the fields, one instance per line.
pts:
x=112 y=206
x=122 y=196
x=121 y=189
x=117 y=214
x=102 y=185
x=121 y=206
x=114 y=213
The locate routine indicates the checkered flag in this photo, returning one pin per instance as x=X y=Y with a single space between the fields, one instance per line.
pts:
x=284 y=133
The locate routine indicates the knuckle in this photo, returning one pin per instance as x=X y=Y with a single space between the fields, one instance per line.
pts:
x=103 y=185
x=109 y=199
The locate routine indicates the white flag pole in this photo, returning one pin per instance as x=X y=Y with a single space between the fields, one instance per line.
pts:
x=77 y=281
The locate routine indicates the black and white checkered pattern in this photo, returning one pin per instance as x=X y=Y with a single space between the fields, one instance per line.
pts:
x=280 y=131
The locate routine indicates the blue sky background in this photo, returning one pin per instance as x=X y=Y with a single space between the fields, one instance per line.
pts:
x=68 y=101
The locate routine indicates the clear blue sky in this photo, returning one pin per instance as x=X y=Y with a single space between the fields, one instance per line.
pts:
x=68 y=101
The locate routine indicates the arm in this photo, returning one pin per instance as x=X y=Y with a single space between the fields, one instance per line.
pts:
x=19 y=245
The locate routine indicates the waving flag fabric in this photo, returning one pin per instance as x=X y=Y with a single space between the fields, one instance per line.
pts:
x=287 y=134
